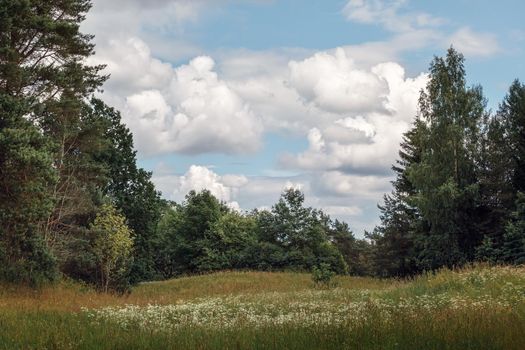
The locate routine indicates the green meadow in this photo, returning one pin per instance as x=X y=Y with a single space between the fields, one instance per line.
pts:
x=479 y=307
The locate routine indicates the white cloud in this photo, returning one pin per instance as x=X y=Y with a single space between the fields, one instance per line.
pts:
x=210 y=116
x=347 y=201
x=339 y=184
x=198 y=178
x=236 y=190
x=415 y=29
x=340 y=210
x=386 y=13
x=335 y=84
x=186 y=110
x=131 y=66
x=160 y=23
x=366 y=142
x=472 y=43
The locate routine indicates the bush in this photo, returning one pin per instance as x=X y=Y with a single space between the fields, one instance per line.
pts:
x=323 y=275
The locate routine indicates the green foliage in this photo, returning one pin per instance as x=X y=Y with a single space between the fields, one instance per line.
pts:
x=456 y=180
x=503 y=175
x=298 y=237
x=512 y=116
x=45 y=145
x=487 y=252
x=64 y=153
x=42 y=50
x=323 y=275
x=203 y=235
x=129 y=186
x=184 y=235
x=446 y=178
x=394 y=251
x=229 y=244
x=514 y=237
x=112 y=248
x=25 y=175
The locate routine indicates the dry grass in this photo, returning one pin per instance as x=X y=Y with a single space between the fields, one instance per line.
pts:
x=69 y=296
x=479 y=307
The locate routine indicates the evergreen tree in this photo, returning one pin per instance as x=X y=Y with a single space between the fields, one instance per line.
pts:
x=446 y=179
x=395 y=238
x=25 y=176
x=502 y=171
x=42 y=51
x=513 y=250
x=42 y=77
x=512 y=116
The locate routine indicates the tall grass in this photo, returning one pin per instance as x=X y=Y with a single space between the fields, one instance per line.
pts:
x=479 y=307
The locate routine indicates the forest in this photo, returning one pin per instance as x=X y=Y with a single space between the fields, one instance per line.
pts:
x=74 y=203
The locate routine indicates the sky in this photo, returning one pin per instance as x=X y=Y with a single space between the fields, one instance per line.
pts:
x=248 y=98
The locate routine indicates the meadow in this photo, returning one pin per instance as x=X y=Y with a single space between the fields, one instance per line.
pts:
x=479 y=307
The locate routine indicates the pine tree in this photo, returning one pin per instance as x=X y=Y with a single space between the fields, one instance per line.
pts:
x=42 y=75
x=502 y=172
x=512 y=115
x=25 y=176
x=513 y=250
x=395 y=238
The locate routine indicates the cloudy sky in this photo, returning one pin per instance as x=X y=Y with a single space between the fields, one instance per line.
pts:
x=249 y=97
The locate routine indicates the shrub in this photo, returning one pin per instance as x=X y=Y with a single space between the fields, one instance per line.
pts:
x=323 y=275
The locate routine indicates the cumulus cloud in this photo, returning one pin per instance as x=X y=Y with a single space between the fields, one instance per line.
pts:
x=351 y=114
x=366 y=142
x=210 y=116
x=352 y=198
x=132 y=67
x=187 y=109
x=236 y=190
x=335 y=84
x=198 y=178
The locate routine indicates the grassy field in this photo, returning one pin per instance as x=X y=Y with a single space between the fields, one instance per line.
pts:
x=476 y=308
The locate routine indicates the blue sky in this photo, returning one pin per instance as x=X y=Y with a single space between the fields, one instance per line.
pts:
x=247 y=98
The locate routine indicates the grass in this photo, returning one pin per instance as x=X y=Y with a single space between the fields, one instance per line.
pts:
x=479 y=307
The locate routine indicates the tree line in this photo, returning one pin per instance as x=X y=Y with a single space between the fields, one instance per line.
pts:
x=74 y=202
x=458 y=195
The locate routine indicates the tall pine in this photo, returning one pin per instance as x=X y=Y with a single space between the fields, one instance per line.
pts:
x=43 y=78
x=395 y=238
